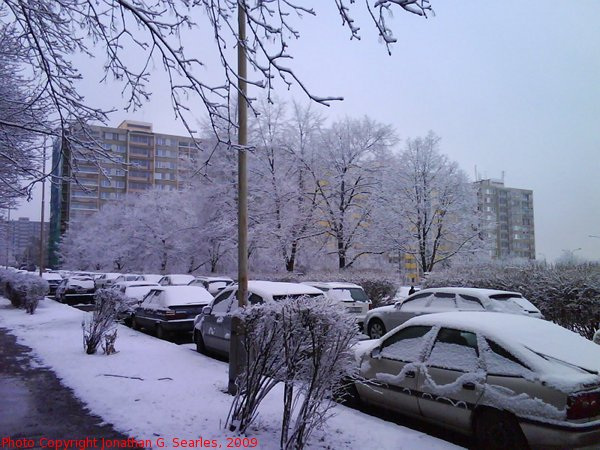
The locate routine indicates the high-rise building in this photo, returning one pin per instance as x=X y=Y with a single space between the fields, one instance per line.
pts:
x=509 y=216
x=20 y=240
x=133 y=159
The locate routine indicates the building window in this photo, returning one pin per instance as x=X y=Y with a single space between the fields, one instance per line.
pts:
x=140 y=163
x=139 y=151
x=163 y=141
x=165 y=165
x=163 y=152
x=140 y=186
x=140 y=138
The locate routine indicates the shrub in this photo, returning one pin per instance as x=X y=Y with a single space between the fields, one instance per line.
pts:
x=24 y=290
x=306 y=345
x=102 y=324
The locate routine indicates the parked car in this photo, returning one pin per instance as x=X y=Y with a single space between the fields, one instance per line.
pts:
x=106 y=280
x=152 y=278
x=76 y=289
x=136 y=290
x=352 y=296
x=127 y=277
x=597 y=337
x=509 y=380
x=380 y=320
x=176 y=280
x=53 y=280
x=214 y=285
x=212 y=328
x=167 y=309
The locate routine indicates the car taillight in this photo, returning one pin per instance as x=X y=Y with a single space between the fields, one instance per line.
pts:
x=583 y=405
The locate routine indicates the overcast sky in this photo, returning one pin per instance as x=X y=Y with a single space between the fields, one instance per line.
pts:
x=510 y=87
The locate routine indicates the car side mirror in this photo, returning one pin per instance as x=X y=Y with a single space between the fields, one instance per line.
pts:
x=207 y=310
x=376 y=353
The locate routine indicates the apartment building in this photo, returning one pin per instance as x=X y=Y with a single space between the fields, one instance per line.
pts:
x=134 y=159
x=509 y=216
x=19 y=241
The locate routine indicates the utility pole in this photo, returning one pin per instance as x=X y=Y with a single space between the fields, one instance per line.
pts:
x=236 y=355
x=42 y=214
x=7 y=236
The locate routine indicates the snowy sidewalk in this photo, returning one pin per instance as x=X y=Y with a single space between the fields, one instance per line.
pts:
x=160 y=392
x=35 y=404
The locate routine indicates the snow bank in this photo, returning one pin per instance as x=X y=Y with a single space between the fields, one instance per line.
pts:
x=154 y=389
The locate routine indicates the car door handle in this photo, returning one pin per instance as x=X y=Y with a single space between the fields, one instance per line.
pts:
x=410 y=374
x=469 y=386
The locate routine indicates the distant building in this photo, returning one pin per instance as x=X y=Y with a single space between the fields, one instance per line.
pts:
x=20 y=240
x=135 y=159
x=509 y=214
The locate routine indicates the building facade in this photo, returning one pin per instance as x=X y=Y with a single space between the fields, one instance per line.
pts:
x=508 y=213
x=132 y=159
x=20 y=241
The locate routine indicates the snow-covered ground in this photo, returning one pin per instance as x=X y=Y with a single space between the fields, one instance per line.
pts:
x=155 y=389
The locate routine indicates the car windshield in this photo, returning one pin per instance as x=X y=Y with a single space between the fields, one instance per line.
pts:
x=293 y=296
x=349 y=294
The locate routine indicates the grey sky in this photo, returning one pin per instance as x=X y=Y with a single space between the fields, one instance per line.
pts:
x=509 y=86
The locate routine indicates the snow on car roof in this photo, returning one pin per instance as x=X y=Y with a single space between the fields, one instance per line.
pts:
x=522 y=333
x=51 y=276
x=127 y=284
x=180 y=278
x=332 y=284
x=476 y=292
x=185 y=295
x=214 y=279
x=272 y=288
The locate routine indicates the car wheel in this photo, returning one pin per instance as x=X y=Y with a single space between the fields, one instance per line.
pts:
x=200 y=347
x=135 y=325
x=376 y=329
x=161 y=333
x=497 y=430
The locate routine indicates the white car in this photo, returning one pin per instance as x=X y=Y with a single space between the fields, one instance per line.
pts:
x=127 y=277
x=508 y=379
x=53 y=280
x=212 y=328
x=135 y=290
x=168 y=309
x=106 y=280
x=176 y=279
x=351 y=296
x=152 y=278
x=214 y=285
x=380 y=320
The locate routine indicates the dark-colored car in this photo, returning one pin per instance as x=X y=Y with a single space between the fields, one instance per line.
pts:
x=76 y=289
x=169 y=309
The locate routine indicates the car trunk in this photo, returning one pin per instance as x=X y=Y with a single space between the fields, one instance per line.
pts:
x=184 y=311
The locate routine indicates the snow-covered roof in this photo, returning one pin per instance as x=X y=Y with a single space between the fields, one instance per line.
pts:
x=180 y=278
x=524 y=335
x=112 y=275
x=475 y=292
x=213 y=279
x=273 y=288
x=186 y=295
x=127 y=284
x=51 y=276
x=155 y=278
x=332 y=284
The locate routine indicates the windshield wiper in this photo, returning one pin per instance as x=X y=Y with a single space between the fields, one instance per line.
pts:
x=552 y=358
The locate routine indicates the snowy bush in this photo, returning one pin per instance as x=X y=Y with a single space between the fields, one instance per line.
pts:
x=568 y=295
x=306 y=345
x=101 y=327
x=24 y=290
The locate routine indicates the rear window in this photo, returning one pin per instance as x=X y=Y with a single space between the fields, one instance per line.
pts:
x=294 y=296
x=356 y=294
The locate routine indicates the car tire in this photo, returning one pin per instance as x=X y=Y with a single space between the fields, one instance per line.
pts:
x=376 y=329
x=161 y=333
x=497 y=430
x=135 y=325
x=200 y=347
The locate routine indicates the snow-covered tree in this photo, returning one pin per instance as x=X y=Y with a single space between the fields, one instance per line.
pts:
x=346 y=176
x=430 y=206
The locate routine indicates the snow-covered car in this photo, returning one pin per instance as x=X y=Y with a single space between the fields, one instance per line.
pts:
x=127 y=277
x=151 y=277
x=380 y=320
x=167 y=309
x=403 y=293
x=135 y=290
x=106 y=280
x=214 y=285
x=176 y=279
x=76 y=289
x=53 y=280
x=212 y=328
x=507 y=379
x=597 y=337
x=351 y=296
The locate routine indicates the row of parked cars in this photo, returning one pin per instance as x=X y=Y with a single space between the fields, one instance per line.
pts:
x=481 y=362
